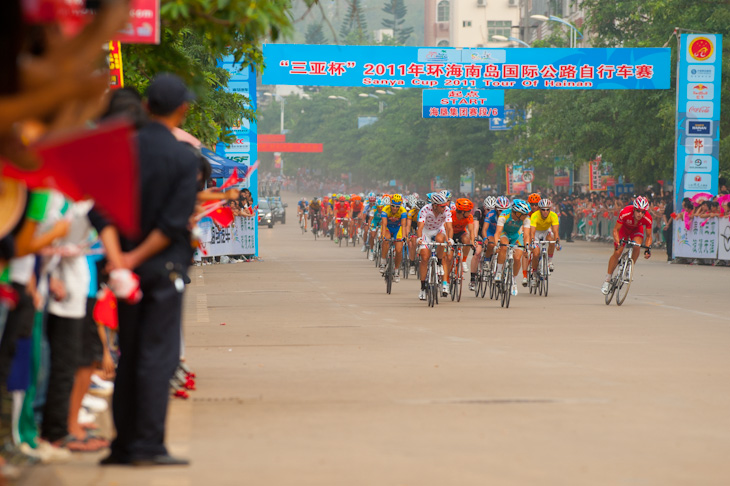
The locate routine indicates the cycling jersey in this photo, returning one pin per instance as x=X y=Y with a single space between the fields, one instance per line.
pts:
x=315 y=208
x=460 y=224
x=302 y=204
x=357 y=206
x=511 y=227
x=376 y=214
x=394 y=216
x=491 y=221
x=540 y=224
x=341 y=209
x=413 y=217
x=431 y=221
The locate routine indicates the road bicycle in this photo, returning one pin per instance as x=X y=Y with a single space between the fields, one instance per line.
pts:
x=456 y=274
x=389 y=271
x=433 y=279
x=343 y=230
x=303 y=222
x=540 y=276
x=623 y=274
x=503 y=288
x=484 y=273
x=315 y=226
x=405 y=261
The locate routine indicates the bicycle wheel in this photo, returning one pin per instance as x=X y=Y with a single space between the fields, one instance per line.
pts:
x=459 y=281
x=611 y=289
x=478 y=281
x=389 y=272
x=624 y=282
x=545 y=277
x=493 y=286
x=508 y=284
x=503 y=286
x=486 y=279
x=405 y=262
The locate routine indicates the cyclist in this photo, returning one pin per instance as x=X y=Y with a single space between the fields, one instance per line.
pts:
x=393 y=225
x=376 y=214
x=544 y=225
x=412 y=231
x=501 y=203
x=533 y=200
x=342 y=211
x=463 y=225
x=634 y=223
x=513 y=227
x=434 y=224
x=480 y=215
x=357 y=207
x=365 y=216
x=315 y=212
x=302 y=212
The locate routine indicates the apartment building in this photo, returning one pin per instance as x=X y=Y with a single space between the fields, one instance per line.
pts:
x=470 y=23
x=568 y=10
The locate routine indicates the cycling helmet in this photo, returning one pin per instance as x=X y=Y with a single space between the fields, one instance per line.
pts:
x=362 y=195
x=334 y=196
x=463 y=204
x=641 y=203
x=533 y=198
x=428 y=197
x=447 y=194
x=412 y=200
x=545 y=203
x=396 y=200
x=371 y=195
x=347 y=198
x=416 y=197
x=385 y=201
x=438 y=199
x=325 y=199
x=420 y=203
x=520 y=206
x=502 y=203
x=378 y=201
x=342 y=198
x=356 y=198
x=372 y=198
x=490 y=202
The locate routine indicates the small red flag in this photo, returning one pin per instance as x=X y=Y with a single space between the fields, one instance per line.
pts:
x=223 y=216
x=231 y=181
x=105 y=310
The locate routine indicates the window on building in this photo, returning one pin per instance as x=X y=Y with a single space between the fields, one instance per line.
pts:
x=499 y=27
x=442 y=14
x=443 y=43
x=466 y=23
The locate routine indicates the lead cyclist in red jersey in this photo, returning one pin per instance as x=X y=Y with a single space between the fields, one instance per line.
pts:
x=634 y=223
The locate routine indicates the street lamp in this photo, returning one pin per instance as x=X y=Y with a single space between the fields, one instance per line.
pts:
x=333 y=97
x=380 y=103
x=573 y=35
x=282 y=101
x=502 y=38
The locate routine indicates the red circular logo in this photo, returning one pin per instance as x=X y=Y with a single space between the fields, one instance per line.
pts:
x=700 y=48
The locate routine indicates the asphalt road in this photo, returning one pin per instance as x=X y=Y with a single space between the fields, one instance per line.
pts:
x=309 y=374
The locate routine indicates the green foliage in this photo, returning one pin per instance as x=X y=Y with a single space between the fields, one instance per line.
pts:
x=315 y=34
x=195 y=34
x=397 y=10
x=354 y=29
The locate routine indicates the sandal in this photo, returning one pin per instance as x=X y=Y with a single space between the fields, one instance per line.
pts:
x=88 y=444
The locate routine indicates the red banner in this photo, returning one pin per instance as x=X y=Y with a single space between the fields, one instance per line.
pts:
x=143 y=25
x=116 y=74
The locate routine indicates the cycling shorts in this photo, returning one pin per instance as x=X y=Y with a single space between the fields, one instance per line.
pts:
x=491 y=230
x=514 y=238
x=542 y=235
x=429 y=236
x=627 y=233
x=457 y=236
x=395 y=231
x=355 y=214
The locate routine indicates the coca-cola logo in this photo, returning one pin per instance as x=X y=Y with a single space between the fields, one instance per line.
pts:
x=699 y=109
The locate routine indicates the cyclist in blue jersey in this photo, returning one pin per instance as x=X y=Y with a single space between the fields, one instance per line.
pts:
x=513 y=228
x=302 y=208
x=376 y=216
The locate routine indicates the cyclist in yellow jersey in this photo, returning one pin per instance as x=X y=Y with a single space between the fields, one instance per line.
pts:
x=393 y=226
x=544 y=226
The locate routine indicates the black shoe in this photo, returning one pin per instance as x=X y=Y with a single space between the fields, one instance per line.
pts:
x=112 y=460
x=161 y=460
x=569 y=241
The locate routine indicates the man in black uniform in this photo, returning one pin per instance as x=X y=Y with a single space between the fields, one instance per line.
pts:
x=149 y=331
x=567 y=219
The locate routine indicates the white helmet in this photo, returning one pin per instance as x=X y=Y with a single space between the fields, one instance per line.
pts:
x=438 y=198
x=490 y=202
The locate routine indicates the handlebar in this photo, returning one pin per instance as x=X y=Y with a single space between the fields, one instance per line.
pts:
x=624 y=242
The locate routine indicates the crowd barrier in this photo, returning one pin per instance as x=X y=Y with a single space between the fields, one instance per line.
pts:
x=599 y=227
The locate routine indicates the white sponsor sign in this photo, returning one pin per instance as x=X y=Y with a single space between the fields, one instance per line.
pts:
x=700 y=91
x=237 y=239
x=700 y=109
x=697 y=182
x=700 y=241
x=696 y=73
x=698 y=163
x=723 y=239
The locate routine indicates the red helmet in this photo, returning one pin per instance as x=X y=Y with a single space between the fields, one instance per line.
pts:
x=463 y=204
x=641 y=203
x=342 y=198
x=533 y=198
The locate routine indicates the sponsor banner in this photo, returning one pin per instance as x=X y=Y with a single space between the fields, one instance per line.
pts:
x=699 y=241
x=563 y=176
x=436 y=67
x=723 y=239
x=244 y=149
x=463 y=103
x=237 y=239
x=519 y=178
x=600 y=175
x=697 y=135
x=143 y=25
x=466 y=182
x=116 y=73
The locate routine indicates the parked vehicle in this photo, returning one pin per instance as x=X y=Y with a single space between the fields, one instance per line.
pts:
x=265 y=213
x=278 y=209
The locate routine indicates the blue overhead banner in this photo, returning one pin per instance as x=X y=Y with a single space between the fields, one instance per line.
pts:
x=699 y=73
x=446 y=67
x=463 y=103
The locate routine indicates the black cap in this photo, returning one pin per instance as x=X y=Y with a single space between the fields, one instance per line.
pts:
x=166 y=93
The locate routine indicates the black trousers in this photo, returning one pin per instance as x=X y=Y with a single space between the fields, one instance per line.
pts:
x=64 y=340
x=569 y=222
x=668 y=238
x=19 y=324
x=149 y=341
